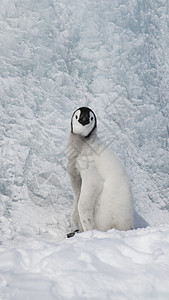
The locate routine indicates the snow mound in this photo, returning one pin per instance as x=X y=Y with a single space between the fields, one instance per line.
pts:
x=57 y=56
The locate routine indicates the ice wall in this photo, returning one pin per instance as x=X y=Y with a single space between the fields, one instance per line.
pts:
x=58 y=55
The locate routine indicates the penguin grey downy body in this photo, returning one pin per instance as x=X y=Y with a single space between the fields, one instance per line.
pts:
x=100 y=184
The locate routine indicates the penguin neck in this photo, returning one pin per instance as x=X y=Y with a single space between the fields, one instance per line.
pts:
x=90 y=138
x=77 y=141
x=92 y=135
x=78 y=145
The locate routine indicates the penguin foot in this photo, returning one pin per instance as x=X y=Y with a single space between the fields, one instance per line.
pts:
x=71 y=234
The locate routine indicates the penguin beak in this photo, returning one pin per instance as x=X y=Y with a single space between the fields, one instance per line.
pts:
x=84 y=120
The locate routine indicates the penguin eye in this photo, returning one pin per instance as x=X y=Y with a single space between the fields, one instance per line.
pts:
x=76 y=117
x=91 y=119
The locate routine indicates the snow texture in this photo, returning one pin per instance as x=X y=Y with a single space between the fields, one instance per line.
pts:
x=92 y=265
x=55 y=57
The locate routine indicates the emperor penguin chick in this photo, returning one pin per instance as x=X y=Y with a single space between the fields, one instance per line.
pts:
x=100 y=184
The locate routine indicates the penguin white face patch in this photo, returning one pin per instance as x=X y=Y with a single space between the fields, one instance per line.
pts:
x=83 y=121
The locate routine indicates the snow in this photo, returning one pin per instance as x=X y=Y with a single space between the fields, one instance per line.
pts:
x=92 y=265
x=55 y=57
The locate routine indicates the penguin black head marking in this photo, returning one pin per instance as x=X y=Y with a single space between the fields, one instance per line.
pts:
x=83 y=122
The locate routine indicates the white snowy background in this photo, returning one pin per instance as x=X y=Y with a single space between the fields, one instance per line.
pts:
x=55 y=56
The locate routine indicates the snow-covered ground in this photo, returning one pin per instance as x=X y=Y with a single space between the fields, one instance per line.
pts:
x=92 y=265
x=54 y=57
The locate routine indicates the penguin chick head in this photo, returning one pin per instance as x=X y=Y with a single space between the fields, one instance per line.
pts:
x=83 y=122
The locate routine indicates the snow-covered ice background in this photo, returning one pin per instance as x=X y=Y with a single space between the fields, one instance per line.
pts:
x=56 y=56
